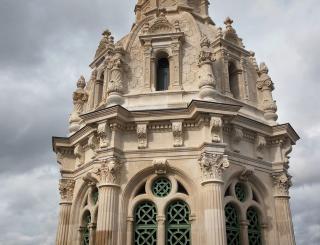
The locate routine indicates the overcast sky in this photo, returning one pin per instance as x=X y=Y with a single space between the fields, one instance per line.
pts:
x=46 y=45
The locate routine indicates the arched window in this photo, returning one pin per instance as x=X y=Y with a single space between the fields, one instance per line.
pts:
x=232 y=225
x=178 y=224
x=239 y=195
x=163 y=75
x=233 y=80
x=254 y=229
x=145 y=224
x=85 y=228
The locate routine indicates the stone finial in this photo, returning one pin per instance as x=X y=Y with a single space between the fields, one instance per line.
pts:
x=228 y=22
x=81 y=82
x=106 y=42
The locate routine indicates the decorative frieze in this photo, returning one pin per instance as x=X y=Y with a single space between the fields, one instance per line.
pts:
x=177 y=131
x=216 y=129
x=66 y=187
x=109 y=171
x=142 y=134
x=160 y=166
x=213 y=165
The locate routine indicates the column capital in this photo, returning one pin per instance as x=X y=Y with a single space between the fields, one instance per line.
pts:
x=109 y=172
x=212 y=166
x=281 y=183
x=66 y=187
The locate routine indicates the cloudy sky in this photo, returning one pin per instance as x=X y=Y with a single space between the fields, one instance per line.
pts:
x=46 y=45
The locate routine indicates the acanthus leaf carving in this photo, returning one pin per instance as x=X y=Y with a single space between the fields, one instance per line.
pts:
x=66 y=187
x=177 y=130
x=142 y=135
x=281 y=183
x=213 y=165
x=109 y=171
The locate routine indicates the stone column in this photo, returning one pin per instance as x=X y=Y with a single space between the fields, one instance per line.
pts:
x=212 y=167
x=129 y=230
x=66 y=191
x=161 y=230
x=244 y=231
x=107 y=223
x=282 y=183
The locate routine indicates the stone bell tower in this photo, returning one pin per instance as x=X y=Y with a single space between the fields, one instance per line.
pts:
x=174 y=139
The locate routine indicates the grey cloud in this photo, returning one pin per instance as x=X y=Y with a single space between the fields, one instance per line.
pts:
x=46 y=45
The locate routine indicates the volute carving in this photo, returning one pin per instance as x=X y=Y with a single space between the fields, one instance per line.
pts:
x=104 y=134
x=142 y=135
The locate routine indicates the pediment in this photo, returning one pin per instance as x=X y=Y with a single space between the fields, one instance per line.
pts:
x=161 y=25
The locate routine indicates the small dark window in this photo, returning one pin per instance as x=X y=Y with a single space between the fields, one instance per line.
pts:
x=162 y=74
x=234 y=81
x=181 y=189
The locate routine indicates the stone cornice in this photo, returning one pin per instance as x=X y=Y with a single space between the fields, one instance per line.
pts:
x=217 y=44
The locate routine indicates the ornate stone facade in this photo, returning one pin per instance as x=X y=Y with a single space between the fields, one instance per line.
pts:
x=176 y=120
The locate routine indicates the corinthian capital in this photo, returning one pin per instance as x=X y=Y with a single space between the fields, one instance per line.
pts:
x=66 y=187
x=109 y=172
x=213 y=165
x=281 y=183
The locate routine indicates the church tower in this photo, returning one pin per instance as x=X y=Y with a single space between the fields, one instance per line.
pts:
x=174 y=139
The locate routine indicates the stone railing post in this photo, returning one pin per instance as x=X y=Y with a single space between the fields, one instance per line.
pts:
x=282 y=183
x=66 y=191
x=212 y=167
x=107 y=227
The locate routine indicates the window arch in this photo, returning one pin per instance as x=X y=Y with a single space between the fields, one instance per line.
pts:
x=242 y=224
x=232 y=224
x=254 y=229
x=145 y=224
x=234 y=80
x=163 y=200
x=178 y=224
x=162 y=72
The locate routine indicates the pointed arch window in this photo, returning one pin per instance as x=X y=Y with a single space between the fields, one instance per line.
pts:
x=145 y=224
x=178 y=224
x=163 y=76
x=232 y=225
x=254 y=229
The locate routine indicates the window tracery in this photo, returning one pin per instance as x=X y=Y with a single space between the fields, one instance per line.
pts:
x=162 y=205
x=243 y=221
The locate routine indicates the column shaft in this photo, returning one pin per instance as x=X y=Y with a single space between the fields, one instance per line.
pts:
x=63 y=227
x=284 y=221
x=215 y=228
x=106 y=233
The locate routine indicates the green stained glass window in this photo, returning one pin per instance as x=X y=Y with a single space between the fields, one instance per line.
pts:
x=86 y=231
x=232 y=225
x=161 y=187
x=145 y=224
x=254 y=230
x=178 y=225
x=240 y=191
